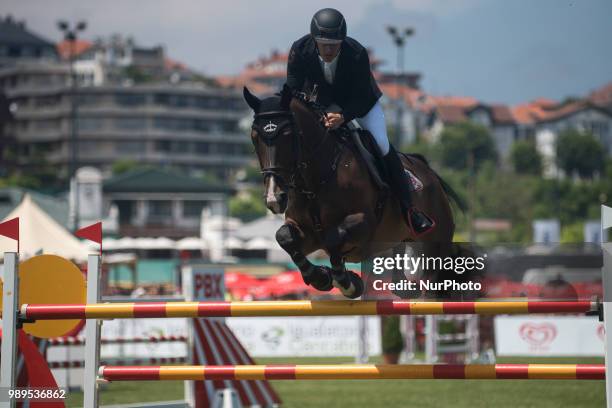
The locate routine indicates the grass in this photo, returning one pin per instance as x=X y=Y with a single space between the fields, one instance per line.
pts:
x=392 y=393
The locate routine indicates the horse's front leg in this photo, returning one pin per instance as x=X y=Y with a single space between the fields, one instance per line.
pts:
x=350 y=231
x=291 y=238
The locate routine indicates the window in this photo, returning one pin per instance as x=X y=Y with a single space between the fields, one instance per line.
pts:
x=129 y=99
x=179 y=101
x=46 y=124
x=131 y=123
x=159 y=208
x=177 y=124
x=202 y=147
x=88 y=99
x=193 y=208
x=162 y=146
x=90 y=123
x=47 y=101
x=178 y=147
x=89 y=146
x=130 y=147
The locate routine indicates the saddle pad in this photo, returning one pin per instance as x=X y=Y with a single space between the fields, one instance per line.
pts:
x=415 y=183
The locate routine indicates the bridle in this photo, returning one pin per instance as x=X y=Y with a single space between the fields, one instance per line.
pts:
x=269 y=133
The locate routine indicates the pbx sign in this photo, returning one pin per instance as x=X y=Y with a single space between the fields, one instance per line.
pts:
x=206 y=282
x=209 y=285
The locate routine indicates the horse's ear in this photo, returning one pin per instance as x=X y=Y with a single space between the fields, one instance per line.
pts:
x=251 y=99
x=286 y=95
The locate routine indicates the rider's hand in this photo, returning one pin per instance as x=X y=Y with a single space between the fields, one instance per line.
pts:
x=333 y=120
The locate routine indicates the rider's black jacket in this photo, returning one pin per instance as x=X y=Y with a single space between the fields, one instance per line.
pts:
x=354 y=88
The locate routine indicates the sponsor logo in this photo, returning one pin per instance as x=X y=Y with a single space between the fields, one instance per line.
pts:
x=270 y=127
x=538 y=335
x=601 y=332
x=272 y=337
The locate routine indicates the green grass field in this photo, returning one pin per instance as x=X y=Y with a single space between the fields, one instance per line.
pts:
x=392 y=393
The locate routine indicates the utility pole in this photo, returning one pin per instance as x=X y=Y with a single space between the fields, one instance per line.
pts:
x=71 y=36
x=399 y=37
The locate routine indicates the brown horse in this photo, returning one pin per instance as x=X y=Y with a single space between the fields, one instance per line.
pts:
x=328 y=196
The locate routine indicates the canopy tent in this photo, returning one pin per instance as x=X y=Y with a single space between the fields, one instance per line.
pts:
x=40 y=233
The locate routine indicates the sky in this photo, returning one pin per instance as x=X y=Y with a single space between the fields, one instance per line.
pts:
x=495 y=50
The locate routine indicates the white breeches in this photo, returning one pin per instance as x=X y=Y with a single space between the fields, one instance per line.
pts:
x=374 y=121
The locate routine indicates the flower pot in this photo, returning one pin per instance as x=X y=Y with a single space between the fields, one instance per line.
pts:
x=391 y=358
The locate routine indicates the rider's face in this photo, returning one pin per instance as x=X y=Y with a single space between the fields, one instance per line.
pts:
x=328 y=51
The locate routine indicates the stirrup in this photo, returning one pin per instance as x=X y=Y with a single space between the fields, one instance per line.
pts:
x=418 y=233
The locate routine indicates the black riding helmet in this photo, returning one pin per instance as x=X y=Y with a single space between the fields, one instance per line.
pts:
x=328 y=25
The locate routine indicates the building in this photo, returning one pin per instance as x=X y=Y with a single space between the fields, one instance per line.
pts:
x=153 y=202
x=539 y=121
x=19 y=44
x=582 y=116
x=602 y=96
x=132 y=103
x=188 y=126
x=119 y=60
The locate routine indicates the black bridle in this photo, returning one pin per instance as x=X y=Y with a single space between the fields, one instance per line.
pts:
x=269 y=132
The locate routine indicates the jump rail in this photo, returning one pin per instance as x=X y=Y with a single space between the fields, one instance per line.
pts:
x=356 y=372
x=119 y=362
x=294 y=308
x=79 y=341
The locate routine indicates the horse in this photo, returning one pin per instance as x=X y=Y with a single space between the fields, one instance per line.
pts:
x=323 y=186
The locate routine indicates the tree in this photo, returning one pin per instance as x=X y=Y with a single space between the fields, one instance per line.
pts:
x=580 y=153
x=460 y=142
x=248 y=205
x=123 y=166
x=526 y=159
x=136 y=74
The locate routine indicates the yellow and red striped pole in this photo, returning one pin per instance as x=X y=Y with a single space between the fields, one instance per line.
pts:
x=294 y=308
x=356 y=372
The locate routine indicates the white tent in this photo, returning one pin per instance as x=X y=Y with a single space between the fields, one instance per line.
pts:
x=40 y=233
x=191 y=243
x=261 y=243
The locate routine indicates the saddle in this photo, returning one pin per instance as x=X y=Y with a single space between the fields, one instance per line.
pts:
x=367 y=148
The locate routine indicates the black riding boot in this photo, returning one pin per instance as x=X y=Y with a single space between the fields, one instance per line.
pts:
x=400 y=184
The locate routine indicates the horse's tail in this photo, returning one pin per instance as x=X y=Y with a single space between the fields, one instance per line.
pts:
x=450 y=192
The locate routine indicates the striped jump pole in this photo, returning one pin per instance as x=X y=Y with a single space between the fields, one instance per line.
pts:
x=79 y=341
x=606 y=271
x=294 y=308
x=357 y=372
x=119 y=362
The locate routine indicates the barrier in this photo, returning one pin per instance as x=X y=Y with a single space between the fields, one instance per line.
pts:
x=301 y=308
x=79 y=341
x=294 y=308
x=118 y=361
x=357 y=372
x=209 y=341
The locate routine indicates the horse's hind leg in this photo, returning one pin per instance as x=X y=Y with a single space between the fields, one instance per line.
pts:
x=348 y=282
x=350 y=230
x=291 y=239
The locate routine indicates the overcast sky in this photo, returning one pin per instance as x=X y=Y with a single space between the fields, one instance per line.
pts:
x=494 y=50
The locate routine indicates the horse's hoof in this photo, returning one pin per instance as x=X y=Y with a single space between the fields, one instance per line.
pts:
x=353 y=285
x=321 y=279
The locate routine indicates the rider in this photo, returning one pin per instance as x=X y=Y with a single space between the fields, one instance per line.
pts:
x=337 y=69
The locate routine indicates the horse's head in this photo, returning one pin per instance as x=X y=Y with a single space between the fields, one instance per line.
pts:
x=274 y=136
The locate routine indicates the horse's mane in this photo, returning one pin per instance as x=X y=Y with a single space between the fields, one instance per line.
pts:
x=313 y=107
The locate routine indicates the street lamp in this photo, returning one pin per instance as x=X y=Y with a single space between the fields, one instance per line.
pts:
x=71 y=36
x=399 y=37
